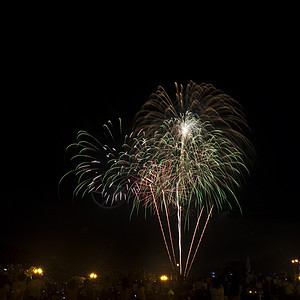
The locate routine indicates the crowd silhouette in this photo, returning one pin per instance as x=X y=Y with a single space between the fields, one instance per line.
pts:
x=15 y=285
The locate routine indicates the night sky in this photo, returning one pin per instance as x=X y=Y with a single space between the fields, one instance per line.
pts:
x=59 y=89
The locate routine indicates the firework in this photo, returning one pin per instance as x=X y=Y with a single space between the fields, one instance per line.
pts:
x=198 y=135
x=94 y=160
x=184 y=156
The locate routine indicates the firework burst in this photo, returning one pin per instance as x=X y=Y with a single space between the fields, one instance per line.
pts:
x=184 y=156
x=199 y=136
x=94 y=160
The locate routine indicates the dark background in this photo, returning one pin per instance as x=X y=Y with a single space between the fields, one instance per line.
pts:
x=62 y=81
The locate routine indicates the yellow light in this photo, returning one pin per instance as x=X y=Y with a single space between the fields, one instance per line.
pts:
x=93 y=276
x=164 y=278
x=296 y=260
x=299 y=277
x=293 y=261
x=38 y=271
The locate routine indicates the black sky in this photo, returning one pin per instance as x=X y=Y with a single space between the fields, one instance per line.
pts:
x=62 y=87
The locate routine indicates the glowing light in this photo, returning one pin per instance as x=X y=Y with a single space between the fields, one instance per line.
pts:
x=38 y=271
x=295 y=261
x=93 y=275
x=164 y=278
x=185 y=129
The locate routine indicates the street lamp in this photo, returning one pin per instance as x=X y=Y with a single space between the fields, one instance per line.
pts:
x=93 y=275
x=34 y=271
x=294 y=262
x=164 y=278
x=38 y=271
